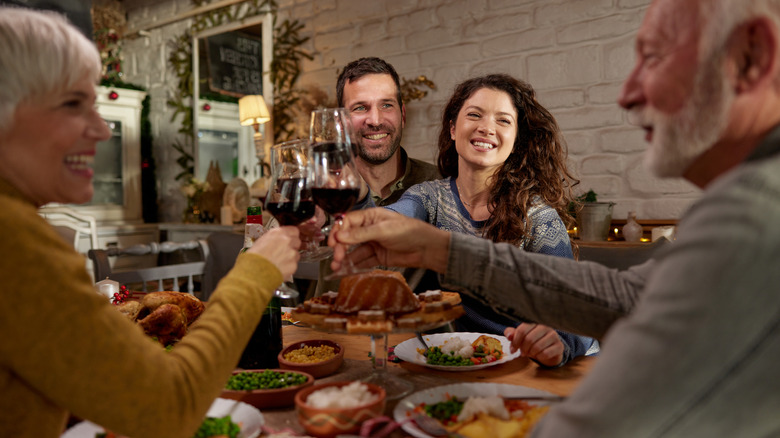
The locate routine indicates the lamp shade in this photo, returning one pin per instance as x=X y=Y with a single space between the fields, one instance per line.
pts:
x=252 y=110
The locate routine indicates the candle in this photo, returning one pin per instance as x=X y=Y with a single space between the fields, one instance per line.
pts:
x=107 y=288
x=659 y=232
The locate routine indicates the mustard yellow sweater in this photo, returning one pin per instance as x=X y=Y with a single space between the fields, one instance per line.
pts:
x=64 y=348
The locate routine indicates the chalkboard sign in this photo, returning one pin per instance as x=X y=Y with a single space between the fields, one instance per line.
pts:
x=79 y=12
x=235 y=63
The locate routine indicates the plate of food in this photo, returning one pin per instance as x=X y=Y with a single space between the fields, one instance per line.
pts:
x=287 y=318
x=225 y=418
x=473 y=410
x=459 y=351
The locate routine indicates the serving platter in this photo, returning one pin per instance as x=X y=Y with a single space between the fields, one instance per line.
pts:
x=429 y=316
x=405 y=407
x=407 y=350
x=250 y=419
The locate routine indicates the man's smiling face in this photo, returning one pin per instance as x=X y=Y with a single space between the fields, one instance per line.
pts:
x=377 y=116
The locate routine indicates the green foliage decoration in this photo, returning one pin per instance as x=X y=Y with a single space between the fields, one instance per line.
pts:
x=285 y=70
x=576 y=204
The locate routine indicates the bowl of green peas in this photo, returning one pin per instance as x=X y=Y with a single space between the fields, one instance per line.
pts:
x=272 y=388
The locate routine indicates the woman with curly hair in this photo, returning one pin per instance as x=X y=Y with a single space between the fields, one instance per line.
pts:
x=504 y=163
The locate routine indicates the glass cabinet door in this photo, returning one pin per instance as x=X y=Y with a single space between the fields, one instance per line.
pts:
x=108 y=168
x=222 y=139
x=221 y=148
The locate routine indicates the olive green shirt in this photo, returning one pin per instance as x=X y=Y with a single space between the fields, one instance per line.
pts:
x=417 y=171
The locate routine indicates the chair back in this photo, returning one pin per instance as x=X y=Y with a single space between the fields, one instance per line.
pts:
x=71 y=224
x=223 y=250
x=156 y=278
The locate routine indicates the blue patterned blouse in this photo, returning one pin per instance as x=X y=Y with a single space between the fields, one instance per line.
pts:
x=438 y=203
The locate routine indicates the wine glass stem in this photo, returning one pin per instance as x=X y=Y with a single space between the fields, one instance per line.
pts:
x=347 y=265
x=285 y=291
x=379 y=362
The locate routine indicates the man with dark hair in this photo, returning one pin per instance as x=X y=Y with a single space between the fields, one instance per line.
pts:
x=370 y=90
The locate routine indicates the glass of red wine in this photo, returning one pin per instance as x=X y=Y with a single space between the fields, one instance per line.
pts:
x=335 y=179
x=289 y=197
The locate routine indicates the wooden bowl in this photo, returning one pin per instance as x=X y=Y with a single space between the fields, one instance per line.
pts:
x=316 y=369
x=268 y=398
x=329 y=422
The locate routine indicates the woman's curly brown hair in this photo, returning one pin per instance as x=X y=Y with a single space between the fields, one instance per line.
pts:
x=536 y=166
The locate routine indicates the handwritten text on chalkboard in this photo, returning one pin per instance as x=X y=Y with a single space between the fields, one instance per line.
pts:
x=235 y=64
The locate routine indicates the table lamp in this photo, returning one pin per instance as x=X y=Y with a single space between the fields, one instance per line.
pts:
x=252 y=111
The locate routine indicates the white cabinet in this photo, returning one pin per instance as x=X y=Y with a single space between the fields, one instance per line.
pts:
x=117 y=179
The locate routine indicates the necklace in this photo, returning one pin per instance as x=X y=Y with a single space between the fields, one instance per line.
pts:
x=464 y=201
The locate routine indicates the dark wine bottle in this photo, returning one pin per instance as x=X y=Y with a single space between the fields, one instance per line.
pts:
x=266 y=342
x=264 y=346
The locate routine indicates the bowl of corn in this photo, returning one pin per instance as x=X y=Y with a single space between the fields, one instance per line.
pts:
x=318 y=357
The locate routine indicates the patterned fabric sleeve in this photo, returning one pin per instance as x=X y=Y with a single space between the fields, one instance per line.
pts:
x=548 y=233
x=414 y=201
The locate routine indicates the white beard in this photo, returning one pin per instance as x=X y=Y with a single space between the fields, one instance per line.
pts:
x=680 y=138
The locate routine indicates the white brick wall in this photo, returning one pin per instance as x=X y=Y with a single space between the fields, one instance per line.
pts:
x=574 y=52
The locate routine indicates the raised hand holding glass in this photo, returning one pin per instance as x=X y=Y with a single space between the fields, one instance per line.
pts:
x=336 y=181
x=289 y=197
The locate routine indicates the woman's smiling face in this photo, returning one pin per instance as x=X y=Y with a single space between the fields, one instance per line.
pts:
x=49 y=149
x=486 y=128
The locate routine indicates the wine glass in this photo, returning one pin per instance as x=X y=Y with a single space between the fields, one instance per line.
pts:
x=289 y=197
x=335 y=179
x=395 y=387
x=311 y=251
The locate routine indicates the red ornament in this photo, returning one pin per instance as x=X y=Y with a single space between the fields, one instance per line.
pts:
x=206 y=107
x=113 y=95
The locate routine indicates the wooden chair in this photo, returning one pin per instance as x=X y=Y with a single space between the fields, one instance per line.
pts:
x=71 y=225
x=224 y=248
x=166 y=277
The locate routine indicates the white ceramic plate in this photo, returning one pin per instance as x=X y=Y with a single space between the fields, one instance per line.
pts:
x=407 y=350
x=248 y=416
x=460 y=390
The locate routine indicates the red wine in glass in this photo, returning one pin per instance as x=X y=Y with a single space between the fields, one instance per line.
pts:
x=291 y=213
x=335 y=201
x=296 y=205
x=330 y=147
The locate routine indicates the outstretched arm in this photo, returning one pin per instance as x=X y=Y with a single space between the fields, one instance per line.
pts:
x=578 y=297
x=388 y=238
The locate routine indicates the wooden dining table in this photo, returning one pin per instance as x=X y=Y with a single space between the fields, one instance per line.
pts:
x=357 y=365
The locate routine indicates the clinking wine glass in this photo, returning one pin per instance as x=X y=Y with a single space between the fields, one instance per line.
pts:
x=289 y=197
x=336 y=181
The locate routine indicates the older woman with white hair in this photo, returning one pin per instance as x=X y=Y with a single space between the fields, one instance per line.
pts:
x=64 y=348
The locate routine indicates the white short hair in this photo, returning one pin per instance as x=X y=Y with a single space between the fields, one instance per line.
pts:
x=721 y=17
x=40 y=53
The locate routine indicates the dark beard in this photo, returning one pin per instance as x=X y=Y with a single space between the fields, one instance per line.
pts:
x=376 y=160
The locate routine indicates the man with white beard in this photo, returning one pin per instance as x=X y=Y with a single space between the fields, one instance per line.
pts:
x=692 y=337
